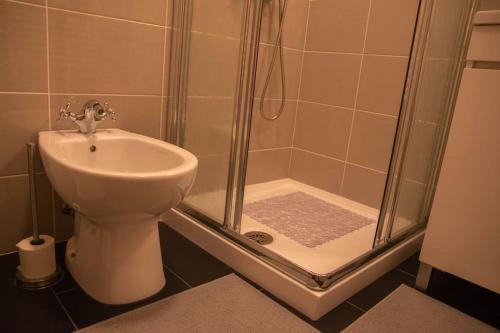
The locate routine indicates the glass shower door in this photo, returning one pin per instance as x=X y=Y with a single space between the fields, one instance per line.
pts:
x=206 y=78
x=442 y=61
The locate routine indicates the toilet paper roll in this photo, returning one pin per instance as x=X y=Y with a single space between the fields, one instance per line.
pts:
x=37 y=261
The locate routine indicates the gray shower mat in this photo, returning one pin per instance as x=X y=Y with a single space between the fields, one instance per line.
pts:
x=305 y=219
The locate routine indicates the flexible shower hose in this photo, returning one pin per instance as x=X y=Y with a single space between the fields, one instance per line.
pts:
x=282 y=10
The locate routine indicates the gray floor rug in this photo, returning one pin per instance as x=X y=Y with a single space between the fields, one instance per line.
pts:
x=304 y=218
x=408 y=310
x=228 y=304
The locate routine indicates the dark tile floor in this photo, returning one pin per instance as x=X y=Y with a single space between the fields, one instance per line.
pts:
x=65 y=307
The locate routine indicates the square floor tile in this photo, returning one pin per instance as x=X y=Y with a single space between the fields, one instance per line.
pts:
x=86 y=311
x=337 y=319
x=67 y=282
x=334 y=321
x=465 y=296
x=378 y=290
x=411 y=265
x=190 y=262
x=28 y=311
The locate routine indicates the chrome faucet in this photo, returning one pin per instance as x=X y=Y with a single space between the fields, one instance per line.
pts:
x=92 y=112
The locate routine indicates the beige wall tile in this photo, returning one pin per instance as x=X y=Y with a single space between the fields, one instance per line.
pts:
x=434 y=89
x=294 y=27
x=150 y=11
x=443 y=39
x=212 y=66
x=323 y=129
x=170 y=12
x=318 y=171
x=364 y=185
x=23 y=60
x=164 y=119
x=212 y=174
x=266 y=165
x=37 y=2
x=21 y=118
x=411 y=197
x=64 y=223
x=278 y=133
x=421 y=149
x=209 y=123
x=489 y=5
x=292 y=61
x=222 y=17
x=166 y=69
x=96 y=55
x=330 y=78
x=15 y=210
x=209 y=192
x=135 y=114
x=337 y=25
x=391 y=25
x=372 y=139
x=381 y=84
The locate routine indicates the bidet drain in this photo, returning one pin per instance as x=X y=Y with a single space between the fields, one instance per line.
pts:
x=259 y=237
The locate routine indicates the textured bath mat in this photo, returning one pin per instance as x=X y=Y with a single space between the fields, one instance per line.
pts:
x=410 y=311
x=228 y=304
x=305 y=219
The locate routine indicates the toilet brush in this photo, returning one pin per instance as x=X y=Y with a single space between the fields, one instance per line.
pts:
x=37 y=268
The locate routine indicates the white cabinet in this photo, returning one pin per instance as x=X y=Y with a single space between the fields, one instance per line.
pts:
x=463 y=234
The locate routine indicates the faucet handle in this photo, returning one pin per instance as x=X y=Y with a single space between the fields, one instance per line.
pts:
x=65 y=112
x=109 y=111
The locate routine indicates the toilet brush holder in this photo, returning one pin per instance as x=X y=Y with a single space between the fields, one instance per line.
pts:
x=38 y=268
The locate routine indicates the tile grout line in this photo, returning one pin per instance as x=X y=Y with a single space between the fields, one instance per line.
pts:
x=53 y=202
x=104 y=94
x=177 y=275
x=47 y=45
x=340 y=160
x=341 y=189
x=64 y=309
x=49 y=108
x=267 y=149
x=66 y=291
x=297 y=102
x=23 y=93
x=163 y=72
x=82 y=94
x=358 y=54
x=405 y=272
x=89 y=14
x=357 y=307
x=38 y=173
x=105 y=17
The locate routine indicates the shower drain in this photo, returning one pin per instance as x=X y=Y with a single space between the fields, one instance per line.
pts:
x=259 y=237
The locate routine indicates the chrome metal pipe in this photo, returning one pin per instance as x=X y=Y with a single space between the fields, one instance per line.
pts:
x=31 y=175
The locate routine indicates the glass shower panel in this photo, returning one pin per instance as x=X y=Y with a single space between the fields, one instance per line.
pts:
x=208 y=110
x=318 y=161
x=442 y=63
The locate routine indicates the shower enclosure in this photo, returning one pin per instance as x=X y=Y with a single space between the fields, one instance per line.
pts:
x=322 y=159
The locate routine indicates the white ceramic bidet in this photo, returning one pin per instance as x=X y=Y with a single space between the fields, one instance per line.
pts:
x=118 y=184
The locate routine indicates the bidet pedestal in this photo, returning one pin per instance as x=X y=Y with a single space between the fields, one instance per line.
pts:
x=116 y=260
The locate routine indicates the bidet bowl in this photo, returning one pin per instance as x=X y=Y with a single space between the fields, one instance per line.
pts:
x=118 y=183
x=116 y=173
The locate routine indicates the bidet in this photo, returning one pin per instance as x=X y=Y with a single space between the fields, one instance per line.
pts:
x=118 y=183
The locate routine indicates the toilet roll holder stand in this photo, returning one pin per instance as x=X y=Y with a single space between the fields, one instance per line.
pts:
x=22 y=281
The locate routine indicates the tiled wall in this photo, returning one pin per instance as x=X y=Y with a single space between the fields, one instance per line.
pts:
x=438 y=69
x=213 y=63
x=352 y=67
x=51 y=50
x=271 y=141
x=489 y=5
